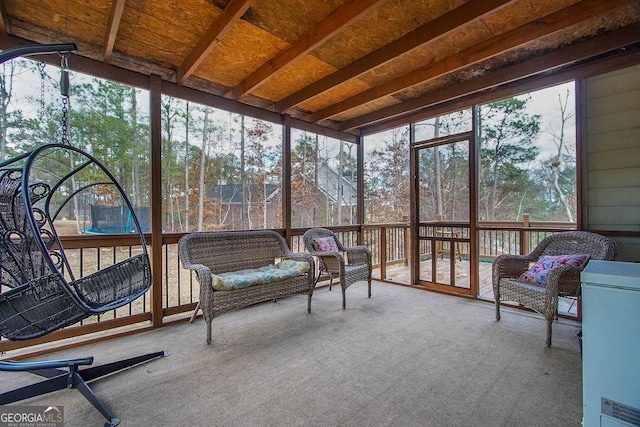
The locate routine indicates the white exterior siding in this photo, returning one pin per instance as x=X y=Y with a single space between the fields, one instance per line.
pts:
x=612 y=146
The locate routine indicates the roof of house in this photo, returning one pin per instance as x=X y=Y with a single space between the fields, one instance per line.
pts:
x=232 y=193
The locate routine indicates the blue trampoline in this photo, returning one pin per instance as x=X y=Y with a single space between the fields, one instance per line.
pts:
x=117 y=219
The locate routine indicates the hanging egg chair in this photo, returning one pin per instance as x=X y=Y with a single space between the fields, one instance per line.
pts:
x=43 y=287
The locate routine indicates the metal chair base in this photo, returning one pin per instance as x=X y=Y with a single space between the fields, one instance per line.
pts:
x=66 y=373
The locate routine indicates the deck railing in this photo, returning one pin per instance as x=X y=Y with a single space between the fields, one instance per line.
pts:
x=390 y=246
x=389 y=243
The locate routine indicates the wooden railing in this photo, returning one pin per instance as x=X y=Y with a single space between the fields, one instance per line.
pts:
x=390 y=246
x=499 y=238
x=389 y=243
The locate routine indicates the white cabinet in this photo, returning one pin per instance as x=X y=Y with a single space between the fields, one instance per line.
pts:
x=611 y=344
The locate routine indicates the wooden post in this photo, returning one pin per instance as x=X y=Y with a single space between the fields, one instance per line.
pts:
x=414 y=202
x=407 y=245
x=360 y=187
x=383 y=252
x=155 y=117
x=474 y=245
x=525 y=235
x=286 y=178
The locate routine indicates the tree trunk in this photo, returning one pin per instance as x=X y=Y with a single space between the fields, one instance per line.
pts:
x=339 y=183
x=6 y=86
x=186 y=168
x=135 y=170
x=438 y=168
x=493 y=203
x=315 y=178
x=555 y=165
x=203 y=155
x=244 y=217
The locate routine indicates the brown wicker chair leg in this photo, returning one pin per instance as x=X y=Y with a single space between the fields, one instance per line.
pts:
x=549 y=322
x=195 y=313
x=209 y=331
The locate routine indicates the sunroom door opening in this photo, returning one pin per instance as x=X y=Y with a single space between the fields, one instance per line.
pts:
x=444 y=224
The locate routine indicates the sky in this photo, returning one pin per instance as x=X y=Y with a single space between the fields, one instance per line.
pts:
x=543 y=102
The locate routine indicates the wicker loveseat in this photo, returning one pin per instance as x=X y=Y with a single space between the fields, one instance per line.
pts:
x=236 y=269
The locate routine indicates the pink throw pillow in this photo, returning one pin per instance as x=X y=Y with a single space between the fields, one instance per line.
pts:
x=539 y=271
x=325 y=244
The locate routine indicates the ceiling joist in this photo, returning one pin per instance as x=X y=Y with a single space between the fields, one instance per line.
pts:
x=4 y=19
x=112 y=29
x=484 y=50
x=340 y=18
x=562 y=57
x=231 y=14
x=465 y=14
x=339 y=64
x=622 y=59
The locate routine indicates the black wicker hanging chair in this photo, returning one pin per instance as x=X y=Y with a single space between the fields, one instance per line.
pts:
x=42 y=286
x=42 y=292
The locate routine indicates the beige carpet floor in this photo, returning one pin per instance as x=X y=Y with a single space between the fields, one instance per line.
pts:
x=405 y=357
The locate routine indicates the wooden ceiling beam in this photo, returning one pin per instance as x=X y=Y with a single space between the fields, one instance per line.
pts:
x=221 y=26
x=465 y=14
x=494 y=46
x=339 y=19
x=562 y=57
x=4 y=19
x=112 y=29
x=622 y=59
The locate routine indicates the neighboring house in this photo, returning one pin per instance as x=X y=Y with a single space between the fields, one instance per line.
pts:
x=259 y=211
x=321 y=199
x=330 y=181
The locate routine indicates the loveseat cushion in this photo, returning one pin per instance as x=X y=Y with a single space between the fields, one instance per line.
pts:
x=300 y=267
x=258 y=276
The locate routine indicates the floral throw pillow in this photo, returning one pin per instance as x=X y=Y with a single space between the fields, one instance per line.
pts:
x=538 y=272
x=325 y=244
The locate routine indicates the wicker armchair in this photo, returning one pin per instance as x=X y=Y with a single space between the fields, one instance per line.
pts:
x=354 y=268
x=563 y=280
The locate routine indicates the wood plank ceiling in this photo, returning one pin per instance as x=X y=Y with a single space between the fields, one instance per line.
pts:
x=344 y=64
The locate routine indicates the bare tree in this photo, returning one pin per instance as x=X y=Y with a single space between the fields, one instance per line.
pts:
x=339 y=197
x=244 y=216
x=559 y=139
x=6 y=93
x=203 y=158
x=135 y=170
x=438 y=168
x=169 y=114
x=187 y=117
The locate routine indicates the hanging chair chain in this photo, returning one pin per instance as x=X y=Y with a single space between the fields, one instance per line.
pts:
x=64 y=91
